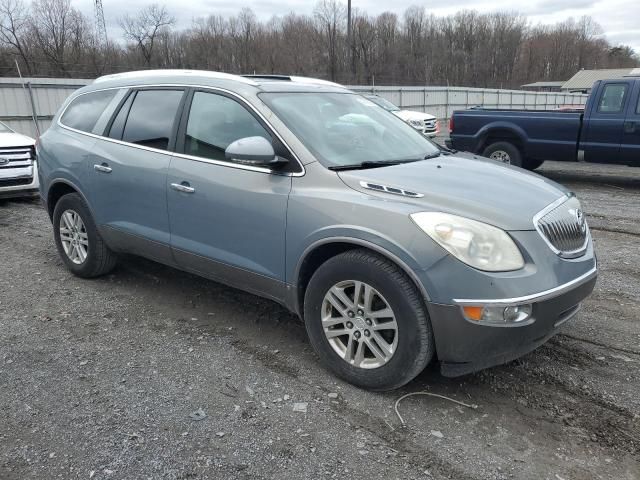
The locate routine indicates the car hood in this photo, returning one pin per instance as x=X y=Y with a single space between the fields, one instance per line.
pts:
x=407 y=115
x=465 y=185
x=12 y=139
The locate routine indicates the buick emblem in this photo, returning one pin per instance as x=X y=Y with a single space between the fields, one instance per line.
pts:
x=4 y=161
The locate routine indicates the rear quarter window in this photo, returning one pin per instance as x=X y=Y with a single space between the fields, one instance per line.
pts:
x=152 y=117
x=84 y=111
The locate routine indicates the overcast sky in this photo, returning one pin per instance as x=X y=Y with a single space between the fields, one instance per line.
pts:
x=620 y=19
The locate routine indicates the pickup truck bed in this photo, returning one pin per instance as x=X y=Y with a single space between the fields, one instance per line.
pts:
x=607 y=131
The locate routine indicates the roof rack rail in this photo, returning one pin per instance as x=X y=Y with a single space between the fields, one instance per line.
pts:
x=294 y=78
x=172 y=72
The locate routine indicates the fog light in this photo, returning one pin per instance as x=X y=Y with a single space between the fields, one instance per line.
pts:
x=498 y=315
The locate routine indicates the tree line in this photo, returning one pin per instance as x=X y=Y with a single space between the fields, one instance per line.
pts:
x=52 y=38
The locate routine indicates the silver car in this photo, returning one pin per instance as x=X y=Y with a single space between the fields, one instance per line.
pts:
x=393 y=251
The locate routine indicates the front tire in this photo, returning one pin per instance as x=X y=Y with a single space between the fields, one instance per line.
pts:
x=367 y=322
x=77 y=239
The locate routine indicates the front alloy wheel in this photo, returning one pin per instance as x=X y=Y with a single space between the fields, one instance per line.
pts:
x=367 y=320
x=359 y=324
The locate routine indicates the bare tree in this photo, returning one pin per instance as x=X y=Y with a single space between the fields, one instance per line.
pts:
x=330 y=19
x=143 y=28
x=60 y=31
x=468 y=48
x=14 y=24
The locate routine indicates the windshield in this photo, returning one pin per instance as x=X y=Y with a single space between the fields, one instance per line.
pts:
x=343 y=129
x=386 y=104
x=4 y=128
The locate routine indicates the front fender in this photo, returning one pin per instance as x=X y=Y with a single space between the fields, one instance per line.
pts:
x=357 y=236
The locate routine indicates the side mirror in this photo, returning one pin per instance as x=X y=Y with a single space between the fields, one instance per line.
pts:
x=254 y=151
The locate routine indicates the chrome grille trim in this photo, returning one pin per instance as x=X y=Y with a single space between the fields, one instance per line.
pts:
x=563 y=227
x=15 y=157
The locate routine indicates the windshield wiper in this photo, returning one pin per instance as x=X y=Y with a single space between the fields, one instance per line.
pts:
x=368 y=164
x=381 y=163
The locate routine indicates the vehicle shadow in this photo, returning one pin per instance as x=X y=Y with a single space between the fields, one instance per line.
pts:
x=257 y=323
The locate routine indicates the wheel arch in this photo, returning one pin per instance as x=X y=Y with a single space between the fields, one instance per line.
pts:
x=57 y=189
x=322 y=250
x=501 y=132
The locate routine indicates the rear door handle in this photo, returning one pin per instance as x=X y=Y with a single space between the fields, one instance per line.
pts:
x=183 y=187
x=104 y=168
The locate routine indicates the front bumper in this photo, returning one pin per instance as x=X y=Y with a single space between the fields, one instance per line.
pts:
x=464 y=346
x=19 y=182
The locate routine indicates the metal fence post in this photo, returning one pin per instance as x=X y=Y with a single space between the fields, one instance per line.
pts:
x=34 y=111
x=424 y=99
x=446 y=103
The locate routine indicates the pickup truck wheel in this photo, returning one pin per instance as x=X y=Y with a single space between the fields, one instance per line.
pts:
x=504 y=152
x=79 y=244
x=366 y=320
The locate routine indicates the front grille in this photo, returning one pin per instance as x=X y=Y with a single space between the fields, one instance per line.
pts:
x=16 y=157
x=430 y=124
x=564 y=227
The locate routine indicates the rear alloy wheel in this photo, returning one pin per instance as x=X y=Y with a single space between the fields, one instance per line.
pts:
x=504 y=152
x=79 y=244
x=367 y=321
x=73 y=236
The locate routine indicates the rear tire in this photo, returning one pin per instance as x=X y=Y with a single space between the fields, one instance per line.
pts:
x=79 y=244
x=401 y=353
x=504 y=152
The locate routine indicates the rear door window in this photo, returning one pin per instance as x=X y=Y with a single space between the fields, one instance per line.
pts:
x=152 y=117
x=84 y=111
x=612 y=100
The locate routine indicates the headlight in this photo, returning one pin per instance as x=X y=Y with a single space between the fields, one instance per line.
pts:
x=416 y=123
x=475 y=243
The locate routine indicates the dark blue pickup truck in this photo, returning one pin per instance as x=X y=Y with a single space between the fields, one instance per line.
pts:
x=606 y=131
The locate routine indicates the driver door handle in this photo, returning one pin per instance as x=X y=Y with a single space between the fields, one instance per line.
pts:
x=183 y=187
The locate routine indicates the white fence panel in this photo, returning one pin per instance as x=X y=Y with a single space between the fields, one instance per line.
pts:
x=443 y=101
x=50 y=93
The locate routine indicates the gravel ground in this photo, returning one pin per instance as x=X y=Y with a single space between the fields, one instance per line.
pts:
x=153 y=373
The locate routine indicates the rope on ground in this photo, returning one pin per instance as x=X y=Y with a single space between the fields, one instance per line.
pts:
x=404 y=424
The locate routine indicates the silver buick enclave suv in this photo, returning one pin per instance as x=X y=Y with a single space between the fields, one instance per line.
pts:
x=391 y=249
